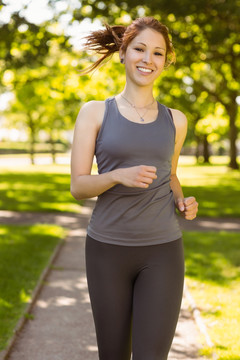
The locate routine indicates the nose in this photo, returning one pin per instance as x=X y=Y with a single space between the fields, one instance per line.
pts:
x=147 y=58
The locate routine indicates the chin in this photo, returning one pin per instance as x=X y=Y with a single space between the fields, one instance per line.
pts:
x=144 y=82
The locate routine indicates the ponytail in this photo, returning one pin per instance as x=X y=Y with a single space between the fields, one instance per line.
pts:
x=105 y=42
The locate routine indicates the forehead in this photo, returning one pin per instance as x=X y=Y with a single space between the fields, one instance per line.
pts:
x=150 y=37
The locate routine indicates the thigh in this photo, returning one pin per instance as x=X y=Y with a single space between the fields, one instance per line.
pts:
x=157 y=300
x=110 y=291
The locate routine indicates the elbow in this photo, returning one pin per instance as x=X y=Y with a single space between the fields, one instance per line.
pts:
x=173 y=177
x=76 y=194
x=173 y=180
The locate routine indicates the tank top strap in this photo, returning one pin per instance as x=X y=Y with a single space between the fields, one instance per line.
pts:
x=170 y=113
x=109 y=108
x=168 y=117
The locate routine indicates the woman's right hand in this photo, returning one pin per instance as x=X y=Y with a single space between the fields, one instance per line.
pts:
x=136 y=176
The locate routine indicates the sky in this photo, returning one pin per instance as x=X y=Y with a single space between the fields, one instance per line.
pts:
x=37 y=11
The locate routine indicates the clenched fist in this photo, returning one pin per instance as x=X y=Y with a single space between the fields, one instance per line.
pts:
x=136 y=176
x=188 y=207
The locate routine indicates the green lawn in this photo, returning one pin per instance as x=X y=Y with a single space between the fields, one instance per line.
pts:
x=37 y=188
x=47 y=187
x=216 y=187
x=24 y=253
x=213 y=278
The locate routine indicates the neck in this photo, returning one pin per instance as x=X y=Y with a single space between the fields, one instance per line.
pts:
x=139 y=96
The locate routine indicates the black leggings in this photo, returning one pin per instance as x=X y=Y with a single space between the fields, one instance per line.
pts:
x=136 y=295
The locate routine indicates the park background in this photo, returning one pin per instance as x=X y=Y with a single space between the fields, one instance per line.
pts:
x=41 y=92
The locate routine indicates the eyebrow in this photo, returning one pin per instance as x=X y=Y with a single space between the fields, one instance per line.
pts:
x=157 y=47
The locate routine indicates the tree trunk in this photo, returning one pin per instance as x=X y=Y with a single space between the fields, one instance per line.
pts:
x=206 y=154
x=53 y=149
x=197 y=153
x=32 y=139
x=232 y=111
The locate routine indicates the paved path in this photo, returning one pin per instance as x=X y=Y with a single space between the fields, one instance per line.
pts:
x=70 y=220
x=62 y=328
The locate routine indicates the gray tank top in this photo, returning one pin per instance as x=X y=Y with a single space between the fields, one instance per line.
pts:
x=135 y=216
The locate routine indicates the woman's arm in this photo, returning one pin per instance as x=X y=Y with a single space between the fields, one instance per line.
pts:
x=83 y=184
x=188 y=207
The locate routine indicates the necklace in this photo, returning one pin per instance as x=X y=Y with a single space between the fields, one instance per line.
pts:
x=135 y=108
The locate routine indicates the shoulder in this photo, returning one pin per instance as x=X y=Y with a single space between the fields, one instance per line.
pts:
x=89 y=119
x=93 y=105
x=180 y=122
x=92 y=111
x=179 y=118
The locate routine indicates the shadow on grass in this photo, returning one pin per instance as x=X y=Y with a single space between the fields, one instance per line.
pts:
x=36 y=192
x=212 y=257
x=216 y=201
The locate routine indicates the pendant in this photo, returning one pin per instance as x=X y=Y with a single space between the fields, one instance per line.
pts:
x=141 y=119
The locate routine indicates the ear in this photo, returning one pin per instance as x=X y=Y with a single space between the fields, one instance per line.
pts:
x=121 y=56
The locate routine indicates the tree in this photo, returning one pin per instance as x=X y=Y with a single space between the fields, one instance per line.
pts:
x=45 y=97
x=212 y=128
x=25 y=44
x=32 y=64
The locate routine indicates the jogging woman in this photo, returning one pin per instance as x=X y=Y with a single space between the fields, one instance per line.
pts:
x=134 y=247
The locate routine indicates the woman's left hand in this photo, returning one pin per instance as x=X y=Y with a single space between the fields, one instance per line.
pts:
x=188 y=207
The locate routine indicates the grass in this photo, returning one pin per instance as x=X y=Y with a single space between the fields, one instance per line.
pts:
x=24 y=253
x=216 y=187
x=213 y=278
x=47 y=187
x=37 y=188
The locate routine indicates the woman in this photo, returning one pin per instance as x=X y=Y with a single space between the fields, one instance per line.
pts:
x=134 y=251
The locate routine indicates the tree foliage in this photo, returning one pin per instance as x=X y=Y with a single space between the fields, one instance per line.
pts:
x=33 y=67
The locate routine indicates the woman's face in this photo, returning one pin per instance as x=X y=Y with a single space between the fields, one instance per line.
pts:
x=145 y=57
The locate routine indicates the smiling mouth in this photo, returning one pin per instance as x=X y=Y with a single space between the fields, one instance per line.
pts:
x=145 y=70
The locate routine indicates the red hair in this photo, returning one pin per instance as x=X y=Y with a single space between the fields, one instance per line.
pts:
x=114 y=38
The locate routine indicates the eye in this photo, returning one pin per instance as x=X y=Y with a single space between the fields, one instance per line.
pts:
x=158 y=54
x=138 y=49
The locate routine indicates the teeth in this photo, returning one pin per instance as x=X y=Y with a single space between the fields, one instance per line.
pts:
x=144 y=69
